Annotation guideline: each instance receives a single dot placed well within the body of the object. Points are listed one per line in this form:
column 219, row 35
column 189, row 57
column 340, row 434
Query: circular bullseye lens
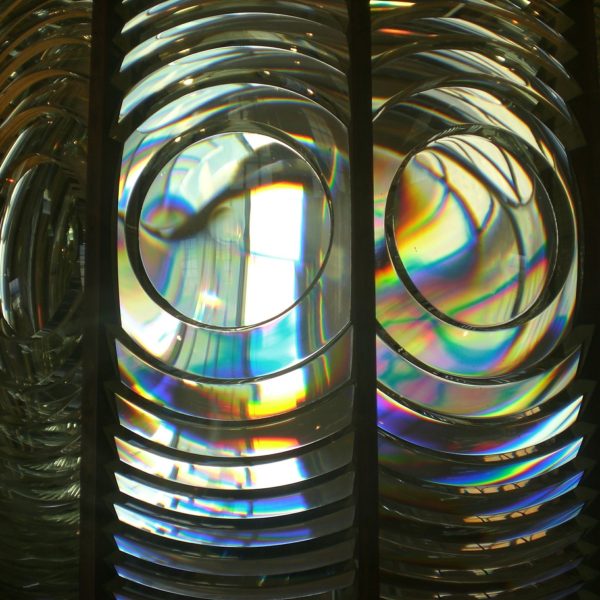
column 234, row 229
column 473, row 229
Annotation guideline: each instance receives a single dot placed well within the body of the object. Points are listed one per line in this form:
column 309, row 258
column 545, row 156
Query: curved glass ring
column 168, row 223
column 238, row 400
column 479, row 399
column 195, row 339
column 463, row 351
column 403, row 223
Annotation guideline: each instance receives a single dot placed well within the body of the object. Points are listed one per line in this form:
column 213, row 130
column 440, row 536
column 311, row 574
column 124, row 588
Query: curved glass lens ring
column 145, row 22
column 457, row 506
column 283, row 67
column 450, row 396
column 185, row 344
column 150, row 582
column 550, row 567
column 208, row 207
column 239, row 476
column 43, row 142
column 498, row 20
column 490, row 208
column 491, row 349
column 238, row 401
column 476, row 278
column 226, row 506
column 481, row 541
column 232, row 535
column 201, row 559
column 319, row 421
column 452, row 554
column 459, row 64
column 445, row 471
column 435, row 432
column 245, row 29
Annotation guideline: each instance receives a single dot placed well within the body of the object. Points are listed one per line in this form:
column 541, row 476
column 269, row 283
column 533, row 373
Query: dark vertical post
column 363, row 298
column 586, row 160
column 103, row 159
column 586, row 163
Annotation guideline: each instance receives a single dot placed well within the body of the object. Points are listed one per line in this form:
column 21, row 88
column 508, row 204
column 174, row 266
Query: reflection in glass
column 237, row 562
column 476, row 279
column 44, row 58
column 225, row 217
column 239, row 400
column 234, row 437
column 234, row 535
column 201, row 349
column 317, row 422
column 228, row 506
column 246, row 475
column 471, row 231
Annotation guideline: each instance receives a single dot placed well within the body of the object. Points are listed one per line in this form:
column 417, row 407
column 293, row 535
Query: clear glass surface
column 245, row 475
column 319, row 421
column 185, row 501
column 225, row 217
column 203, row 559
column 473, row 230
column 293, row 335
column 44, row 69
column 240, row 400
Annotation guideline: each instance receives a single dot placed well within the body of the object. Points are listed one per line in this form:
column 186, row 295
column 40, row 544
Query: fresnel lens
column 232, row 394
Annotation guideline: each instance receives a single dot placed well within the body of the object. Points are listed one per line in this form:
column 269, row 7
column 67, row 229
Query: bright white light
column 276, row 221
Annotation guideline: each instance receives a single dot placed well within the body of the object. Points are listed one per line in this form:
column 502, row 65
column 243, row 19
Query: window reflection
column 227, row 217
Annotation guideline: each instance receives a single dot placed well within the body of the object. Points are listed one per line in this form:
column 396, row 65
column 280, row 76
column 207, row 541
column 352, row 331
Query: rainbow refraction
column 233, row 390
column 477, row 267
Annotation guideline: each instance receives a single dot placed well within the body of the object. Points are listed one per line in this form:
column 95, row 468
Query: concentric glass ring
column 44, row 90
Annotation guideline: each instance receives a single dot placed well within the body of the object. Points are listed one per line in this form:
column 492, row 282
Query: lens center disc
column 234, row 229
column 473, row 230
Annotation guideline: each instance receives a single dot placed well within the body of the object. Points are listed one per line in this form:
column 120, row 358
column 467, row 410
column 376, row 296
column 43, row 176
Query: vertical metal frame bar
column 363, row 298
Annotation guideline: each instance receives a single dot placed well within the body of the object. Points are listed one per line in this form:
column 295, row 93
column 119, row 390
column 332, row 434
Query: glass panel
column 230, row 534
column 225, row 216
column 237, row 476
column 302, row 586
column 203, row 560
column 234, row 348
column 44, row 68
column 438, row 432
column 242, row 400
column 476, row 279
column 235, row 352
